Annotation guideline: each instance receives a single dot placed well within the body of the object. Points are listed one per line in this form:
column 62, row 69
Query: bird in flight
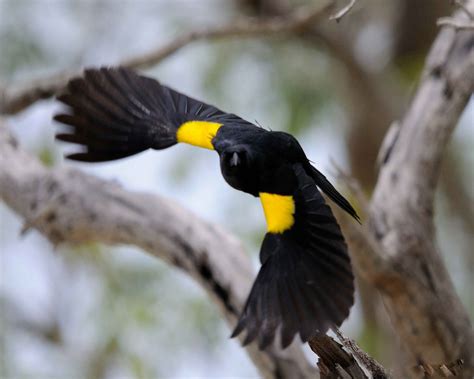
column 305, row 284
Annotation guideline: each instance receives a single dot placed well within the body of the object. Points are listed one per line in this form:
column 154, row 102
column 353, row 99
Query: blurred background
column 102, row 312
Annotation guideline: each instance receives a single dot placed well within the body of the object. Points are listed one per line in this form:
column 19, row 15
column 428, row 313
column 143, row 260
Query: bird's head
column 235, row 158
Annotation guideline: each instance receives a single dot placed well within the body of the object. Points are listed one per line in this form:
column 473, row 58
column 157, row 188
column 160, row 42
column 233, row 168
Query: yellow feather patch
column 279, row 211
column 198, row 133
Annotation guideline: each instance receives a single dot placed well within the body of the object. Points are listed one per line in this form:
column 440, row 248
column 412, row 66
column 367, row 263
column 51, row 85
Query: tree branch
column 396, row 249
column 66, row 205
column 17, row 98
column 345, row 359
column 415, row 285
column 339, row 15
column 459, row 25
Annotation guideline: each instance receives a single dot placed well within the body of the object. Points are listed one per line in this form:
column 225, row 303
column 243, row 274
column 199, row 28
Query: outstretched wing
column 114, row 113
column 305, row 284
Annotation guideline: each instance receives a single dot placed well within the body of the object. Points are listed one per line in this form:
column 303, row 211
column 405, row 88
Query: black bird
column 305, row 284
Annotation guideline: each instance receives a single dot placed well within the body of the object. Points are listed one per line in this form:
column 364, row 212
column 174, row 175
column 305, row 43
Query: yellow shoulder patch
column 279, row 211
column 198, row 133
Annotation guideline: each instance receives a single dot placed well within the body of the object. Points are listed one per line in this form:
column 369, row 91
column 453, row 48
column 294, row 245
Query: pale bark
column 403, row 260
column 345, row 359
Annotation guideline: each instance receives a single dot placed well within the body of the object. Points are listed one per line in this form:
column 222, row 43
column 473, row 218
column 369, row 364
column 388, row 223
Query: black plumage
column 305, row 284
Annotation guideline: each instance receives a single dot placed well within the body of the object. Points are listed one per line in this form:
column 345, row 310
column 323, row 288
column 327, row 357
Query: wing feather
column 113, row 113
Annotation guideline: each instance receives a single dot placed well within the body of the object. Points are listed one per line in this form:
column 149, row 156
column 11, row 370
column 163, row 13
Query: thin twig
column 17, row 98
column 298, row 21
column 339, row 15
column 456, row 24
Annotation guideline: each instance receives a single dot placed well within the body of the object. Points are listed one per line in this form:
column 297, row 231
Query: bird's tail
column 115, row 113
column 326, row 186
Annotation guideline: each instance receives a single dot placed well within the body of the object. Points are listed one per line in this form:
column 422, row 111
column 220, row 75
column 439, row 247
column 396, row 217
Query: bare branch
column 362, row 357
column 68, row 206
column 17, row 98
column 339, row 15
column 401, row 211
column 396, row 249
column 456, row 24
column 345, row 359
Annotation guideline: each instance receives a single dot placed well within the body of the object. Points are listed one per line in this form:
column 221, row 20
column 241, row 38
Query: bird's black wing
column 305, row 284
column 114, row 113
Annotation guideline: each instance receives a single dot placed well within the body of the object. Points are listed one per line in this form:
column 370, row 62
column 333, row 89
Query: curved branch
column 425, row 310
column 67, row 205
column 396, row 250
column 17, row 98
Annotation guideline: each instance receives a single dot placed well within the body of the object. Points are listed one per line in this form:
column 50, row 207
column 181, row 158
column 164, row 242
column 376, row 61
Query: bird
column 305, row 284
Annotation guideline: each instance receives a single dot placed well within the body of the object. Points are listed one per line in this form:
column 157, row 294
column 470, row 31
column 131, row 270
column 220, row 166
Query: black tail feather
column 326, row 186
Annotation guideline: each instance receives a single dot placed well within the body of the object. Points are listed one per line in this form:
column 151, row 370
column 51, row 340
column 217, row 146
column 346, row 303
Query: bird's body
column 305, row 284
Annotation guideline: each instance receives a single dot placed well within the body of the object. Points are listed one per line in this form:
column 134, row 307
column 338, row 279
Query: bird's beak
column 234, row 160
